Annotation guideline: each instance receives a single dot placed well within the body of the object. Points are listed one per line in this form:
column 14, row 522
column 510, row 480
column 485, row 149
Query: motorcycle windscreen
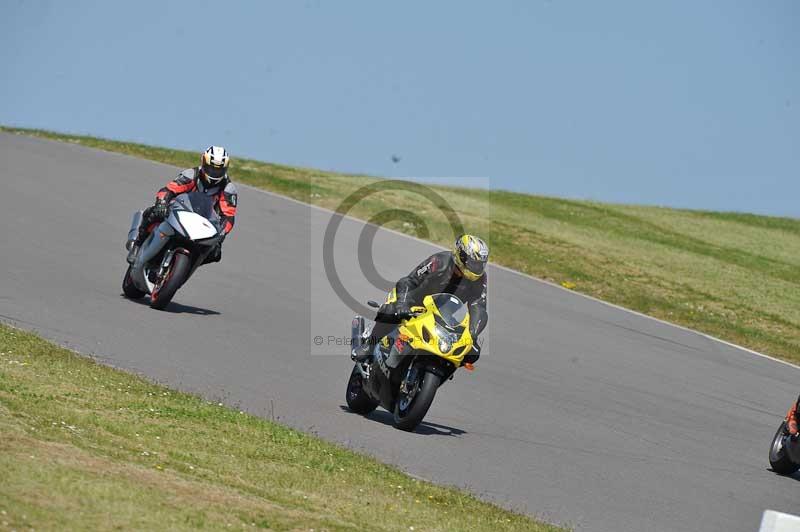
column 195, row 226
column 197, row 203
column 451, row 308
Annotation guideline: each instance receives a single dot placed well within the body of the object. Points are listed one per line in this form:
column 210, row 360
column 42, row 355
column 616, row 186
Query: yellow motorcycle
column 407, row 366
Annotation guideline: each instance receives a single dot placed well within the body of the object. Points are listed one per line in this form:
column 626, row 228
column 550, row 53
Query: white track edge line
column 532, row 278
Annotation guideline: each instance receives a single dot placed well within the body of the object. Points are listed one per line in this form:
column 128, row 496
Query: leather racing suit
column 436, row 274
column 225, row 198
column 791, row 419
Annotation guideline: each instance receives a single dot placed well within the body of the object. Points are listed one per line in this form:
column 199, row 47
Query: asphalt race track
column 580, row 413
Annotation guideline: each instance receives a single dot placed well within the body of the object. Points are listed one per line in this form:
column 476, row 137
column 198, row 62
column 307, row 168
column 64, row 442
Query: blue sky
column 689, row 104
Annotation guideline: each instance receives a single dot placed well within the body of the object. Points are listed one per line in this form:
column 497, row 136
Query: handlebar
column 412, row 313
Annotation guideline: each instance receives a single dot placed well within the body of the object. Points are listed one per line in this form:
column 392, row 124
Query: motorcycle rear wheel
column 778, row 457
column 357, row 399
column 129, row 289
column 173, row 279
column 409, row 418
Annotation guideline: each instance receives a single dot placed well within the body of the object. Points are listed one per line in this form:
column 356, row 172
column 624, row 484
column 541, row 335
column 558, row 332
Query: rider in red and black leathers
column 225, row 199
column 791, row 419
column 439, row 273
column 225, row 194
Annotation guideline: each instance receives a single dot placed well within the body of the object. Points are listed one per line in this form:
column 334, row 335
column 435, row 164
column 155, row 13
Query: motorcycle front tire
column 173, row 279
column 409, row 419
column 778, row 457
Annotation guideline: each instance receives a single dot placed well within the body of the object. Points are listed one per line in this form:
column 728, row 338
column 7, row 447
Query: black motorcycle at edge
column 784, row 452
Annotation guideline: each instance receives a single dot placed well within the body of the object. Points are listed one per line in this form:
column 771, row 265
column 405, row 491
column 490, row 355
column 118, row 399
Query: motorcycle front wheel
column 408, row 413
column 778, row 457
column 173, row 279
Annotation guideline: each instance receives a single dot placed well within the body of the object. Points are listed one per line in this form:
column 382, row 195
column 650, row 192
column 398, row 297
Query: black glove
column 473, row 355
column 215, row 255
column 403, row 310
column 160, row 208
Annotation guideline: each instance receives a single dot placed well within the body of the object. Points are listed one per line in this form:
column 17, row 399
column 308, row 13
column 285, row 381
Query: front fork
column 410, row 383
column 166, row 262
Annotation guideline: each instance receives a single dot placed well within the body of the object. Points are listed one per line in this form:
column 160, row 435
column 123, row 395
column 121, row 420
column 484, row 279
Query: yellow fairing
column 420, row 328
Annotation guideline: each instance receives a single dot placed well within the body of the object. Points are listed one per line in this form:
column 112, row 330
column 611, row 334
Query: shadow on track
column 426, row 428
column 176, row 308
column 793, row 476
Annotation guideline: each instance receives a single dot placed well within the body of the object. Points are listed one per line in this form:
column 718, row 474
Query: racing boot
column 136, row 244
column 362, row 352
column 133, row 252
column 379, row 330
column 149, row 215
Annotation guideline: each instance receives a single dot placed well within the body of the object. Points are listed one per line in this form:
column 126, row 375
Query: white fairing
column 195, row 226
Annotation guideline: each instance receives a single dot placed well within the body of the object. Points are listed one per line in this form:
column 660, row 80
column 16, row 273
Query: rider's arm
column 183, row 183
column 478, row 316
column 414, row 279
column 228, row 201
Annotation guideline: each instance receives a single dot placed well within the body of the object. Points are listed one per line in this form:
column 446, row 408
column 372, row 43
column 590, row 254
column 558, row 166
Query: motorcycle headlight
column 446, row 339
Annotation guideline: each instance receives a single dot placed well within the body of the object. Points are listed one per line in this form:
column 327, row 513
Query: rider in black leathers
column 460, row 272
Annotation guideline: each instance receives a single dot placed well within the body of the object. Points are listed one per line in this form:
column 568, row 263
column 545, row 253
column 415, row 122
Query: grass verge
column 87, row 447
column 732, row 275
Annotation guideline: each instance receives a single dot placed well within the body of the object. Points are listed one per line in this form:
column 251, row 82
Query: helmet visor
column 214, row 173
column 472, row 265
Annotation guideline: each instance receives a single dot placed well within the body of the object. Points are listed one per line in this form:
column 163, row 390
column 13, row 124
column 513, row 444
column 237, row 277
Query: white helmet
column 214, row 165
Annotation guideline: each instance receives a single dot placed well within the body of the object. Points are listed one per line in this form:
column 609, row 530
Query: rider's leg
column 148, row 219
column 152, row 247
column 385, row 321
column 144, row 223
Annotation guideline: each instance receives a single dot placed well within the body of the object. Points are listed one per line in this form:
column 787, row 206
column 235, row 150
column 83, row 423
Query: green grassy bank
column 87, row 447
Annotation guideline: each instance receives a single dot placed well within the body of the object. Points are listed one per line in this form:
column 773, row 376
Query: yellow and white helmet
column 470, row 254
column 214, row 164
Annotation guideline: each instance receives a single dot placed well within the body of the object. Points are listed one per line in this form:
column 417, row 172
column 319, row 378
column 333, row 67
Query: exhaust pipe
column 357, row 332
column 134, row 230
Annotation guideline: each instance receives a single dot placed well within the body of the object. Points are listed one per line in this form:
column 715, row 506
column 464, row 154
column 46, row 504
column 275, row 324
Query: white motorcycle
column 173, row 250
